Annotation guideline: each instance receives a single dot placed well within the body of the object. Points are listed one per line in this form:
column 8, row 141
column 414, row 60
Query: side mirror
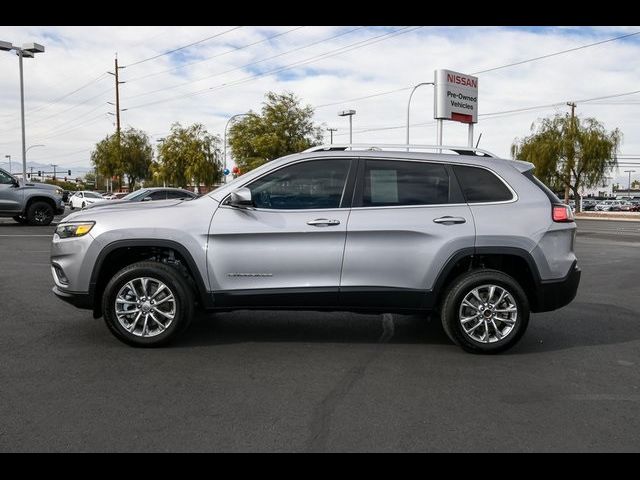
column 146, row 199
column 240, row 198
column 15, row 182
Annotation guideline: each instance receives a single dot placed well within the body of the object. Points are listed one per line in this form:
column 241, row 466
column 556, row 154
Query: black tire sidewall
column 170, row 277
column 460, row 288
column 31, row 213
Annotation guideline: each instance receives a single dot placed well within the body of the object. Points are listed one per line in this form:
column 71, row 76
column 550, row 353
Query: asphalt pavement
column 306, row 381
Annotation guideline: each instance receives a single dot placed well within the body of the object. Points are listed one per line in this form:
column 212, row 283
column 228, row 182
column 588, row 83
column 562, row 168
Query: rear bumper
column 77, row 299
column 556, row 294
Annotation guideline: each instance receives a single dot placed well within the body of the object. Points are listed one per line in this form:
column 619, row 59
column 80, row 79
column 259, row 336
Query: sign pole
column 470, row 141
column 439, row 132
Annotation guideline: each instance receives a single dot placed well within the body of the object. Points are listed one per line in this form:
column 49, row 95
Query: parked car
column 589, row 205
column 151, row 194
column 84, row 199
column 32, row 203
column 608, row 206
column 478, row 240
column 626, row 207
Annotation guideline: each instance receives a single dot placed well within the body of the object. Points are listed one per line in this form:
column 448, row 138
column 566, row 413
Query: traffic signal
column 65, row 179
column 28, row 175
column 68, row 173
column 39, row 173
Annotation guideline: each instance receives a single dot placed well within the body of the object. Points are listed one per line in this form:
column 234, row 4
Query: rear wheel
column 485, row 311
column 148, row 304
column 40, row 214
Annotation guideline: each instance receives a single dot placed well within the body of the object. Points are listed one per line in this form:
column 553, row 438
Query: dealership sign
column 456, row 96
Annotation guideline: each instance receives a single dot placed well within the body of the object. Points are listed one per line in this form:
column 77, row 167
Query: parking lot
column 300, row 381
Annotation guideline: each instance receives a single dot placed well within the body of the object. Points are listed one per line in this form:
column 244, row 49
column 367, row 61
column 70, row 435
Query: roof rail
column 460, row 150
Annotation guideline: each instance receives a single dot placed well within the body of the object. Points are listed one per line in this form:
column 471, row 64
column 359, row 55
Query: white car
column 84, row 199
column 609, row 205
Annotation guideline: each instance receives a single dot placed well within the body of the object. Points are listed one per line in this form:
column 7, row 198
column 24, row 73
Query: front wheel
column 40, row 214
column 485, row 311
column 148, row 304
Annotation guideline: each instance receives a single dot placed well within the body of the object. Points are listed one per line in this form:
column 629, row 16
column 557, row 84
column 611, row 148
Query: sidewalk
column 619, row 216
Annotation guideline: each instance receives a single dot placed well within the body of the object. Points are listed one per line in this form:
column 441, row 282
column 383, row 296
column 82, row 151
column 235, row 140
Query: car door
column 408, row 219
column 10, row 195
column 287, row 249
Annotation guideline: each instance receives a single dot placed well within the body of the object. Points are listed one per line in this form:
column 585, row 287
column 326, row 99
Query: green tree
column 136, row 156
column 568, row 152
column 189, row 154
column 283, row 127
column 105, row 157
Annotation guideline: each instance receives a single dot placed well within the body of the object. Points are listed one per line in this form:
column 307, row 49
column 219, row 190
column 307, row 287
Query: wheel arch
column 516, row 262
column 119, row 253
column 38, row 198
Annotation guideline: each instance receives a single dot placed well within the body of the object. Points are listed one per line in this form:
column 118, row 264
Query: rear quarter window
column 479, row 185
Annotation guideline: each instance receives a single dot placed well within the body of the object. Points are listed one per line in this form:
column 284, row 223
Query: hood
column 41, row 186
column 127, row 209
column 117, row 205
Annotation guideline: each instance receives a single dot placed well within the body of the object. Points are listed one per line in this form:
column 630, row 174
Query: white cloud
column 76, row 55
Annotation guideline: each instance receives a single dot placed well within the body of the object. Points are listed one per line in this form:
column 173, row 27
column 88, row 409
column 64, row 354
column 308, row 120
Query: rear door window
column 400, row 183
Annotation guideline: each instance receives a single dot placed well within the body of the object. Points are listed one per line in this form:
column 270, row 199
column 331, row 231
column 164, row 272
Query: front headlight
column 68, row 230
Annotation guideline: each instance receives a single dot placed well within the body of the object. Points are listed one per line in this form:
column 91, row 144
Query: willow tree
column 569, row 152
column 282, row 127
column 190, row 154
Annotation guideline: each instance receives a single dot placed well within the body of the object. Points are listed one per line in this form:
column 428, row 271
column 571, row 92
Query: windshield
column 92, row 195
column 136, row 194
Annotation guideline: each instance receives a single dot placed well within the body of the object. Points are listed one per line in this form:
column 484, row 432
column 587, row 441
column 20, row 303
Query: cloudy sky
column 224, row 70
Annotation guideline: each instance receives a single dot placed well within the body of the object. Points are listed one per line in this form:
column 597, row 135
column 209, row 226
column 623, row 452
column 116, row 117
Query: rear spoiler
column 522, row 166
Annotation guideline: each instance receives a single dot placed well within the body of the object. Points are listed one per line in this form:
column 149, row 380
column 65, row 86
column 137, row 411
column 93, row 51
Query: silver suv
column 32, row 203
column 467, row 236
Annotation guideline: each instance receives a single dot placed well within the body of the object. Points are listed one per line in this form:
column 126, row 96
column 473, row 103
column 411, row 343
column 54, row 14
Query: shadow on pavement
column 578, row 325
column 288, row 326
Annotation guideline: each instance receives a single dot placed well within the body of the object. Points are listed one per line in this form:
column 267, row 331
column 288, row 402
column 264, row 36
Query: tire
column 174, row 282
column 71, row 207
column 20, row 219
column 482, row 336
column 40, row 214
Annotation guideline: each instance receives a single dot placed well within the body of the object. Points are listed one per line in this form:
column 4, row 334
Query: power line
column 556, row 53
column 215, row 56
column 182, row 48
column 496, row 68
column 499, row 114
column 302, row 47
column 323, row 56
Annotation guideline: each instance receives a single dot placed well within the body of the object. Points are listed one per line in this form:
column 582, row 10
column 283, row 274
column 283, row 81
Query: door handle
column 323, row 222
column 447, row 220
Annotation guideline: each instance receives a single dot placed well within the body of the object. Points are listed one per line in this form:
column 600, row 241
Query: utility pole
column 54, row 170
column 117, row 105
column 331, row 130
column 571, row 152
column 629, row 187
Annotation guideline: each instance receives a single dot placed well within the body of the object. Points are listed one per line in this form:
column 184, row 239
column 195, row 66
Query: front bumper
column 77, row 299
column 555, row 294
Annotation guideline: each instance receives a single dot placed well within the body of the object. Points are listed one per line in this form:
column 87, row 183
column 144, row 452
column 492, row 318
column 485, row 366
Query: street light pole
column 24, row 155
column 9, row 157
column 409, row 106
column 28, row 50
column 24, row 140
column 350, row 114
column 225, row 139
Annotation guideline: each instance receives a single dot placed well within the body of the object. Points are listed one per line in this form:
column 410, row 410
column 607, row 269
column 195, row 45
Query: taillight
column 562, row 213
